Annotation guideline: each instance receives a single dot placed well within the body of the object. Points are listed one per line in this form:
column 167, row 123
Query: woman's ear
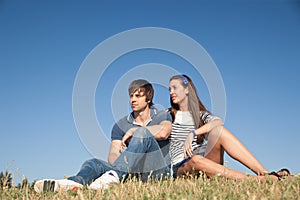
column 186, row 91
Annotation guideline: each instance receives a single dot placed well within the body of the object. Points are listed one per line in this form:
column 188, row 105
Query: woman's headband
column 184, row 79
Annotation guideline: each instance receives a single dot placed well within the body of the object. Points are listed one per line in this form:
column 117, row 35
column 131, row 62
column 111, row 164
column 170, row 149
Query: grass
column 201, row 188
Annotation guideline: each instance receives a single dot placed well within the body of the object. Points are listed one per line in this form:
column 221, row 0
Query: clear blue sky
column 255, row 45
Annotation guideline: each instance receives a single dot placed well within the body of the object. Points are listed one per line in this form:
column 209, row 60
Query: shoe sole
column 45, row 186
column 53, row 186
column 48, row 186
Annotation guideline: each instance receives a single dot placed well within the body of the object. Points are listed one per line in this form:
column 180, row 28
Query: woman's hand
column 187, row 146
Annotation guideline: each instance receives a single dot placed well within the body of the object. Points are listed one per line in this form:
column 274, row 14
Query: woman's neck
column 184, row 109
column 183, row 106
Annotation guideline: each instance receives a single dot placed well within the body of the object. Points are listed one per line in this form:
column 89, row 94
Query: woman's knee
column 193, row 165
column 216, row 132
column 196, row 160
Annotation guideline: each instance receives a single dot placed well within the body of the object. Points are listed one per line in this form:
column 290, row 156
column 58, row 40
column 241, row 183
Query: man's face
column 138, row 101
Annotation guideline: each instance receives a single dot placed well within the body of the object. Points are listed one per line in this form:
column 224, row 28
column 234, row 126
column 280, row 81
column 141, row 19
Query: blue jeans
column 143, row 158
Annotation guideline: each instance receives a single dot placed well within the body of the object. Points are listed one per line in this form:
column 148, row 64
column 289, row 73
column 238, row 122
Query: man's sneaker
column 103, row 181
column 52, row 185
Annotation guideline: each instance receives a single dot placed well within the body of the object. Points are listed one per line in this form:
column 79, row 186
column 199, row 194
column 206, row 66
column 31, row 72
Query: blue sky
column 254, row 44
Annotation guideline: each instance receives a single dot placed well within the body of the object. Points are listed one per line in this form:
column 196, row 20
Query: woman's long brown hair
column 194, row 103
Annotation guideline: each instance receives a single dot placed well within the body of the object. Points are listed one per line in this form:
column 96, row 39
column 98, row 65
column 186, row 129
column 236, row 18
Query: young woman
column 198, row 138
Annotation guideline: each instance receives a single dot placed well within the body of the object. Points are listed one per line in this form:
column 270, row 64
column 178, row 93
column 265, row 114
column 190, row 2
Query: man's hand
column 128, row 135
column 114, row 151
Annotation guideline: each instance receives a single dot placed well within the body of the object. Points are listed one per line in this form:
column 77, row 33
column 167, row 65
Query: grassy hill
column 191, row 188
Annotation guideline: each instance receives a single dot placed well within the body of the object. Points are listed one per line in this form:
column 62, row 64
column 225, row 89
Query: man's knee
column 142, row 132
column 91, row 162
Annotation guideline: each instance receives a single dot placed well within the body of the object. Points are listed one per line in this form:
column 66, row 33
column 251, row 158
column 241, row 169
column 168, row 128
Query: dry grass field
column 191, row 188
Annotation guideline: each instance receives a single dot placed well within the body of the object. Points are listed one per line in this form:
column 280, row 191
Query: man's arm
column 161, row 131
column 114, row 151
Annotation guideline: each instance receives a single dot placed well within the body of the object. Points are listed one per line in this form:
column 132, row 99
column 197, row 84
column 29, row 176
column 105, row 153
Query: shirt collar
column 153, row 112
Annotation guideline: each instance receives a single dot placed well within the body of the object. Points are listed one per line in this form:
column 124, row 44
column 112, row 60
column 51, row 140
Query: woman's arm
column 206, row 128
column 209, row 126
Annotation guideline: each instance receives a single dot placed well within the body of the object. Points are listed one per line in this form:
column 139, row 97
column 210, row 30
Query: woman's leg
column 221, row 139
column 210, row 168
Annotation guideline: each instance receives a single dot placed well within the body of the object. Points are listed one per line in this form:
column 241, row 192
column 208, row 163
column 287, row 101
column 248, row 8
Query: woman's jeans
column 143, row 158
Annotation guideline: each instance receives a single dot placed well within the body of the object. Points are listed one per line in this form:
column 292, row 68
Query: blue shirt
column 127, row 122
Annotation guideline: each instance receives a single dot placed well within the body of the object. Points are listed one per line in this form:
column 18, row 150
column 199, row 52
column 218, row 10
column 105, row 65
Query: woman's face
column 178, row 93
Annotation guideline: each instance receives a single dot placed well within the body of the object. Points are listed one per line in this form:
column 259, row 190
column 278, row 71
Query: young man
column 139, row 146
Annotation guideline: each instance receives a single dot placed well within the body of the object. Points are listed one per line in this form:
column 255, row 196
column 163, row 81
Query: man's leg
column 90, row 170
column 143, row 155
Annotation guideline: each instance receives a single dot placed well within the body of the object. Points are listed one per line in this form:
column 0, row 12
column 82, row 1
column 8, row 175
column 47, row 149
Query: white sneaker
column 56, row 185
column 103, row 181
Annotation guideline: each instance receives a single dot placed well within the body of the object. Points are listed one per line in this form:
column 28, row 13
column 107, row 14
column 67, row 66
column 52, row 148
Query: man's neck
column 142, row 117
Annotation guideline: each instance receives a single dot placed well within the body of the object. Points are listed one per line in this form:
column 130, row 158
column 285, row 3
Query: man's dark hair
column 142, row 86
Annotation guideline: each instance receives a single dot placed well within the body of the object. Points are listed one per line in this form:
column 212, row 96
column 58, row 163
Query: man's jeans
column 142, row 158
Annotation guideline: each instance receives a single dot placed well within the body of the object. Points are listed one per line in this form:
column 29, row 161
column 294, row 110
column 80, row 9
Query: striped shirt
column 181, row 127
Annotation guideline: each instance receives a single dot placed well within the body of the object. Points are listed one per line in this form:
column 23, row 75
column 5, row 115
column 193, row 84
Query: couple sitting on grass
column 155, row 145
